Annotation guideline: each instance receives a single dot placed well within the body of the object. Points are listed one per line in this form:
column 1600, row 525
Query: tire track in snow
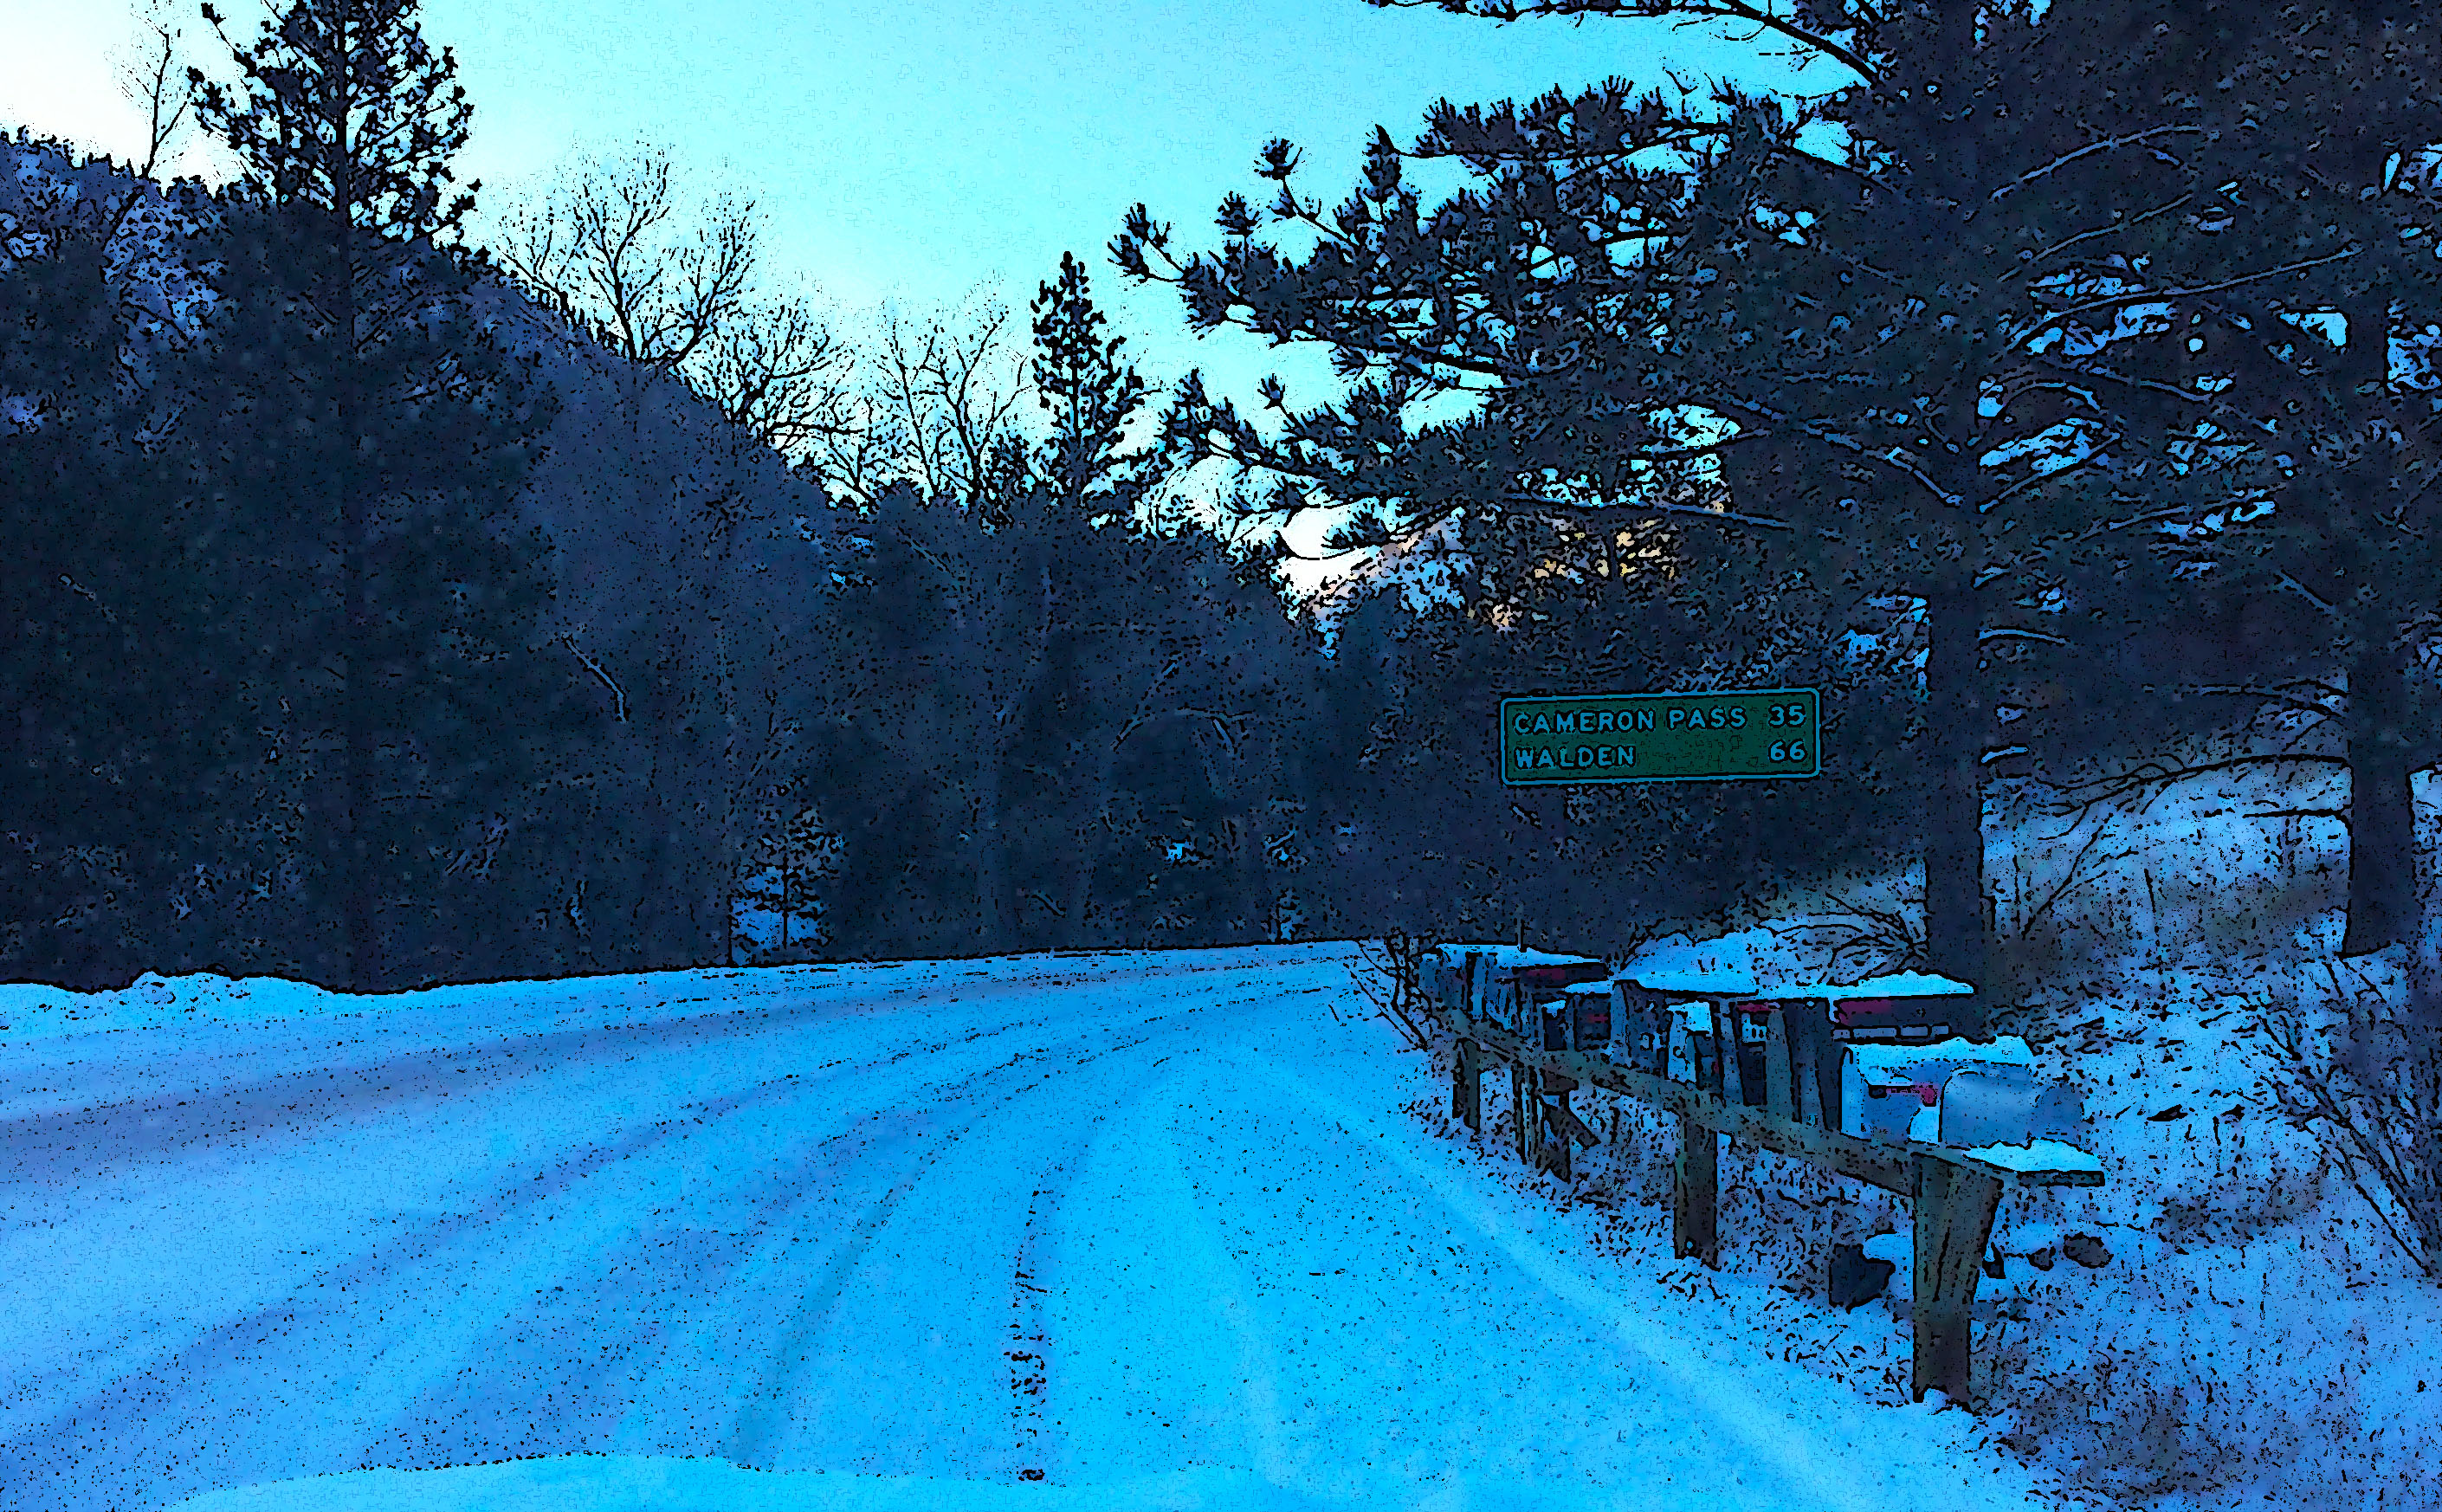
column 1206, row 1256
column 1029, row 1330
column 760, row 1424
column 162, row 1115
column 1031, row 1346
column 511, row 1199
column 775, row 1251
column 157, row 1389
column 154, row 1390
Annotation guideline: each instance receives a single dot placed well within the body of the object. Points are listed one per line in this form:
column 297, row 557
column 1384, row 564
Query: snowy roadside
column 819, row 1243
column 33, row 1010
column 2253, row 1334
column 2250, row 1336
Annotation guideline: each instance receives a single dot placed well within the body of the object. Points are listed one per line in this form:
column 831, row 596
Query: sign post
column 1757, row 733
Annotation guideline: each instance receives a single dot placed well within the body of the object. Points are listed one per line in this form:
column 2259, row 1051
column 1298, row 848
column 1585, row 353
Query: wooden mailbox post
column 1952, row 1196
column 1508, row 985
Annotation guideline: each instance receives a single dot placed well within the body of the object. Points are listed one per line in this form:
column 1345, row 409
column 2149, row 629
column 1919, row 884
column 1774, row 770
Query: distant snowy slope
column 1424, row 566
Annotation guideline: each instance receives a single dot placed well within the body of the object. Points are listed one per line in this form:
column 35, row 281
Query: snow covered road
column 940, row 1232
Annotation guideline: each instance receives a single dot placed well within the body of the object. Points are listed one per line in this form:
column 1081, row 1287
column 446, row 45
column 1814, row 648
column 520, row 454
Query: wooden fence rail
column 1952, row 1196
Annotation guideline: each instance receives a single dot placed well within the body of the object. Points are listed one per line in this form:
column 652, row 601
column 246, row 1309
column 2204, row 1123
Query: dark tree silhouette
column 407, row 436
column 1898, row 355
column 99, row 663
column 2324, row 156
column 1090, row 394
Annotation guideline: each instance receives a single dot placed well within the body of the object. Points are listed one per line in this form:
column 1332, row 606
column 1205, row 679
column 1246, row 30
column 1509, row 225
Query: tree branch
column 617, row 693
column 1721, row 515
column 2269, row 695
column 2046, row 255
column 2164, row 296
column 2109, row 145
column 1682, row 10
column 2154, row 774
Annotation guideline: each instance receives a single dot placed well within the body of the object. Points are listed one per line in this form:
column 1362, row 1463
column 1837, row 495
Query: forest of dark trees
column 387, row 610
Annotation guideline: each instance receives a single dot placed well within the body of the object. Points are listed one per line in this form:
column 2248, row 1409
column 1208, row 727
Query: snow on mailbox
column 1513, row 983
column 1895, row 1091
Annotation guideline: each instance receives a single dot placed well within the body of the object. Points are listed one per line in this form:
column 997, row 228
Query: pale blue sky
column 914, row 151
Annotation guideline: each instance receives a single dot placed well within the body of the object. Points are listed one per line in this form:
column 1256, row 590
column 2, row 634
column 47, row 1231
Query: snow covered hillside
column 2256, row 1337
column 1111, row 1231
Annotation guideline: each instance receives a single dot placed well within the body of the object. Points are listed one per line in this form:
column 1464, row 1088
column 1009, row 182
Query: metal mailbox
column 1987, row 1105
column 1588, row 1014
column 1744, row 1029
column 1889, row 1086
column 1644, row 1042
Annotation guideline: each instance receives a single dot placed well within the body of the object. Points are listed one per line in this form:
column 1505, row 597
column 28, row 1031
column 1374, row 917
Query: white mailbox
column 1883, row 1087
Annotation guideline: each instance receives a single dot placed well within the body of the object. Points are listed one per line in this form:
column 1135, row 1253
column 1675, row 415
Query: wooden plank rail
column 1952, row 1196
column 1883, row 1163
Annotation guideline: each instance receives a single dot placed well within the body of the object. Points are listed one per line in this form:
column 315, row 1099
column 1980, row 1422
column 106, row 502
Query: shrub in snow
column 2373, row 1094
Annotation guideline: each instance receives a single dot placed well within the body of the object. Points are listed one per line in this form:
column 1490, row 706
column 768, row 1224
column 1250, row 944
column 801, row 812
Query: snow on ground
column 1178, row 1230
column 1156, row 1228
column 2254, row 1338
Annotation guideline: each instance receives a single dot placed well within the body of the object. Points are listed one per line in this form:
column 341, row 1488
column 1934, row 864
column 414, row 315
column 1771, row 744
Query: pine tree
column 92, row 773
column 405, row 433
column 1091, row 396
column 1889, row 353
column 2323, row 160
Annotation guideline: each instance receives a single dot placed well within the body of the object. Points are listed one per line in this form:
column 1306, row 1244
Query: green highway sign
column 1661, row 738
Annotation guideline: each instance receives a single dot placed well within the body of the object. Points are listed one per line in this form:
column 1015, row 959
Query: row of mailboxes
column 1788, row 1053
column 1574, row 1004
column 1520, row 990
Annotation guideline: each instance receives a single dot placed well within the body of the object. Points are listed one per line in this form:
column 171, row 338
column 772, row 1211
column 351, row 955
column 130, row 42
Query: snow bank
column 34, row 1011
column 37, row 1010
column 622, row 1482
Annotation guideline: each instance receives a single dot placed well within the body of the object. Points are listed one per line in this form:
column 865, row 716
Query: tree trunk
column 647, row 944
column 714, row 911
column 357, row 902
column 1954, row 841
column 1954, row 683
column 1081, row 859
column 732, row 847
column 991, row 866
column 2382, row 814
column 1081, row 895
column 1254, row 898
column 997, row 908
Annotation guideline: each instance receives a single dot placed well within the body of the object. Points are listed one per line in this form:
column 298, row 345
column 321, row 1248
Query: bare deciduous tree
column 151, row 80
column 2374, row 1096
column 602, row 251
column 937, row 406
column 778, row 373
column 607, row 254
